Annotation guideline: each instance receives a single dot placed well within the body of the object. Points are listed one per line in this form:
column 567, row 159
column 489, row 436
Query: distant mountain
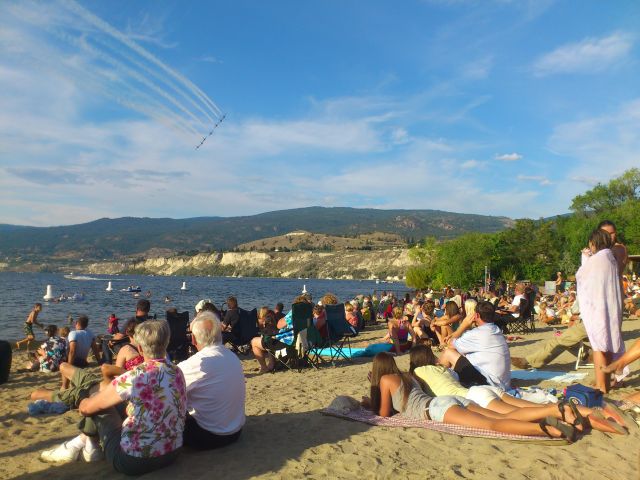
column 128, row 236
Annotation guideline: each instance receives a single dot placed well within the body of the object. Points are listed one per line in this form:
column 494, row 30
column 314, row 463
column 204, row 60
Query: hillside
column 116, row 238
column 301, row 240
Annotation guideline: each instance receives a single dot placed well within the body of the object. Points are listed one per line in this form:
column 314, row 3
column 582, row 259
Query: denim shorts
column 439, row 406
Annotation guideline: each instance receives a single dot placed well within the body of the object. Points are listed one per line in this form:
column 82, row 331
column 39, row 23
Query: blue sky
column 493, row 107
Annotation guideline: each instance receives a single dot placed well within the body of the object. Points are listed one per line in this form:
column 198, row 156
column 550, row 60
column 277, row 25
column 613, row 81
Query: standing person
column 559, row 282
column 31, row 320
column 600, row 300
column 618, row 248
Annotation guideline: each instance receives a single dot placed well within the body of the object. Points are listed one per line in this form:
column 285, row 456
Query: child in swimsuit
column 28, row 326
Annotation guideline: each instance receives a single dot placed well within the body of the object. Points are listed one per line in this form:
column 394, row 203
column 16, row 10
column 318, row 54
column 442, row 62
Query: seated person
column 128, row 356
column 508, row 313
column 421, row 324
column 279, row 338
column 50, row 354
column 215, row 387
column 480, row 356
column 320, row 320
column 231, row 319
column 112, row 326
column 351, row 316
column 444, row 326
column 399, row 329
column 81, row 341
column 439, row 381
column 150, row 435
column 394, row 391
column 546, row 314
column 114, row 343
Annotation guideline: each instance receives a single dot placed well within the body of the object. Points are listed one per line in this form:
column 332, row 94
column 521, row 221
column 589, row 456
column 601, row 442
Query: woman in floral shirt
column 155, row 397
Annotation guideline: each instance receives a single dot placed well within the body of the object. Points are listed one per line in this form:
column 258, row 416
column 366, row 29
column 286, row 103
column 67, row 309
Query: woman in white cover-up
column 601, row 303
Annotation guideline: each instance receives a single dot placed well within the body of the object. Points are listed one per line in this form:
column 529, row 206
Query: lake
column 19, row 291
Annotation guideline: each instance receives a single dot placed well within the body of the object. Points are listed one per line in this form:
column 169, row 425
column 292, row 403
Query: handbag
column 583, row 395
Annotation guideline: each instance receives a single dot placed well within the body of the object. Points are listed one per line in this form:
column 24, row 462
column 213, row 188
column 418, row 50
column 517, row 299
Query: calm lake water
column 19, row 291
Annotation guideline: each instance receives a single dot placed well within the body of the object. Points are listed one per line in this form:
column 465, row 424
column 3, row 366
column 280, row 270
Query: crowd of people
column 143, row 406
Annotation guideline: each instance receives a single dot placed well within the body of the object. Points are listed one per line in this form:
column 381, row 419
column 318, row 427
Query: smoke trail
column 108, row 29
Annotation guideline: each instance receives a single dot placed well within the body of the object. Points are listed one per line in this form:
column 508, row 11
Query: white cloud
column 399, row 136
column 472, row 164
column 509, row 157
column 590, row 55
column 539, row 179
column 209, row 59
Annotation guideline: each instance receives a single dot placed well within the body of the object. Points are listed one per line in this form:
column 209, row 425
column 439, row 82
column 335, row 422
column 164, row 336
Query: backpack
column 583, row 395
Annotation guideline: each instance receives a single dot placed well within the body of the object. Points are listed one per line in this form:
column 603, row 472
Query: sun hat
column 200, row 304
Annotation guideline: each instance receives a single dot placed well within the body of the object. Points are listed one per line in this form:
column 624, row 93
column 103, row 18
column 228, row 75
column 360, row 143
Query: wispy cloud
column 478, row 69
column 209, row 59
column 509, row 157
column 539, row 179
column 591, row 55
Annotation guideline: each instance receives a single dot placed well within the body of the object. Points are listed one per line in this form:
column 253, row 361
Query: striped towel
column 366, row 416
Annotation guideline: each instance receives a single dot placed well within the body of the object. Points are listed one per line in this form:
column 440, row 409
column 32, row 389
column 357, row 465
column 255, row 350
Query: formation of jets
column 211, row 132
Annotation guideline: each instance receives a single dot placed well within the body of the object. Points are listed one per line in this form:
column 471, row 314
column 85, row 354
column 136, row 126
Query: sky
column 490, row 107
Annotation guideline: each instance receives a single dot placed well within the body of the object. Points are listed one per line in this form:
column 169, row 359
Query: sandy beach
column 287, row 437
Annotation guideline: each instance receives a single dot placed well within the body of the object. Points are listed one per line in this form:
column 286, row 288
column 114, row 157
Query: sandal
column 580, row 421
column 597, row 418
column 567, row 431
column 611, row 410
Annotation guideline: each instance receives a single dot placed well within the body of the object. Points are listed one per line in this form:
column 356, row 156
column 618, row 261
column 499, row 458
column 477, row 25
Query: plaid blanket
column 366, row 416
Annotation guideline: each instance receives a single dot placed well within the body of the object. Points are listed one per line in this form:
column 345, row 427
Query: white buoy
column 184, row 286
column 49, row 295
column 109, row 287
column 304, row 289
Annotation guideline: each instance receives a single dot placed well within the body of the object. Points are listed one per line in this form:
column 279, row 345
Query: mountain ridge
column 107, row 238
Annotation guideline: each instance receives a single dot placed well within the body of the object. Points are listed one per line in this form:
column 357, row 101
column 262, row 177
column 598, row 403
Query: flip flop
column 580, row 420
column 567, row 431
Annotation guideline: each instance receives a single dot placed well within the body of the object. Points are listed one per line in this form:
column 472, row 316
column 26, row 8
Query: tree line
column 531, row 249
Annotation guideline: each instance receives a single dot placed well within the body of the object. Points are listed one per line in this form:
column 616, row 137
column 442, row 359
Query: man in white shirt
column 480, row 356
column 510, row 312
column 215, row 388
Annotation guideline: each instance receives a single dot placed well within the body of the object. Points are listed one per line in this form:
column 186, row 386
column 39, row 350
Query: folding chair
column 524, row 323
column 583, row 356
column 245, row 330
column 316, row 343
column 340, row 332
column 301, row 318
column 180, row 340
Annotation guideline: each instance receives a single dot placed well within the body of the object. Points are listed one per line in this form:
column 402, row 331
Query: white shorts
column 483, row 395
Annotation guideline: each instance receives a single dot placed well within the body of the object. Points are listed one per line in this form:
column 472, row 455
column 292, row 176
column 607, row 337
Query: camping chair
column 340, row 332
column 524, row 323
column 245, row 330
column 583, row 356
column 301, row 318
column 316, row 343
column 180, row 340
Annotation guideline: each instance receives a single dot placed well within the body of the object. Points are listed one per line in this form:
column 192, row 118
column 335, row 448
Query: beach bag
column 583, row 395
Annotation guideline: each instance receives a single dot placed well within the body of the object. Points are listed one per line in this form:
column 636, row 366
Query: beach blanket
column 560, row 377
column 370, row 351
column 366, row 416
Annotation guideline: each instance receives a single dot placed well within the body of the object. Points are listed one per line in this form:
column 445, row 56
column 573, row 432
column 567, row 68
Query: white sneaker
column 95, row 455
column 61, row 454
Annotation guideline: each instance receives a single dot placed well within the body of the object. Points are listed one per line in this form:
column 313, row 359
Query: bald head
column 206, row 329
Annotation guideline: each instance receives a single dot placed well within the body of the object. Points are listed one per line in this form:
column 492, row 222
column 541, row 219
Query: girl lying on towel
column 393, row 391
column 438, row 381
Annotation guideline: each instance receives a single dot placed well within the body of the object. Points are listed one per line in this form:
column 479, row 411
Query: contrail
column 120, row 69
column 108, row 29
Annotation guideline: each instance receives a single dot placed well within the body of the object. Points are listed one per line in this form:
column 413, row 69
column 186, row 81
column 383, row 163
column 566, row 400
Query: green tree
column 607, row 197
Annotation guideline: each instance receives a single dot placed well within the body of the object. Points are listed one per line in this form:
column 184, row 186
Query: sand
column 286, row 437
